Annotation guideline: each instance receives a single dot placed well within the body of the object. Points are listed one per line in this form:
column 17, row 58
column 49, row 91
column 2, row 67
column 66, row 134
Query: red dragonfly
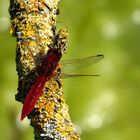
column 48, row 69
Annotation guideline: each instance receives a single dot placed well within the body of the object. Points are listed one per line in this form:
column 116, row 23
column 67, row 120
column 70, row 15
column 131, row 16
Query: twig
column 33, row 22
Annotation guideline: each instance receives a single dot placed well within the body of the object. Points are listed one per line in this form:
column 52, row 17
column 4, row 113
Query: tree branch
column 33, row 23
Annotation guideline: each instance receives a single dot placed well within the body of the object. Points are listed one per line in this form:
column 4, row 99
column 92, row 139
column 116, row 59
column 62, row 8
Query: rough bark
column 33, row 23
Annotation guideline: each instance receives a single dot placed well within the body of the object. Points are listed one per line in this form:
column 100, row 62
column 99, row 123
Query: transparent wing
column 77, row 75
column 71, row 66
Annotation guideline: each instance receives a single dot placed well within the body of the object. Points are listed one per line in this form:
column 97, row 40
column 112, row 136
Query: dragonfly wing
column 77, row 64
column 77, row 75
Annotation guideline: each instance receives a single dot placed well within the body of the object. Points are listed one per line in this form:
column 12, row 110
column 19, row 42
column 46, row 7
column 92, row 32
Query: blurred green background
column 102, row 108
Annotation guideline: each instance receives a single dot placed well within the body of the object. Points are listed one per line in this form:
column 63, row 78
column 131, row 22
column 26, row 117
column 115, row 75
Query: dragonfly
column 48, row 69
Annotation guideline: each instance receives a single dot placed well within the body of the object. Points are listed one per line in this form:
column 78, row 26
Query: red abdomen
column 33, row 95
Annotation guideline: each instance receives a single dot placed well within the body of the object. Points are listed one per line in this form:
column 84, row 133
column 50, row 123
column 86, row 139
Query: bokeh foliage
column 105, row 107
